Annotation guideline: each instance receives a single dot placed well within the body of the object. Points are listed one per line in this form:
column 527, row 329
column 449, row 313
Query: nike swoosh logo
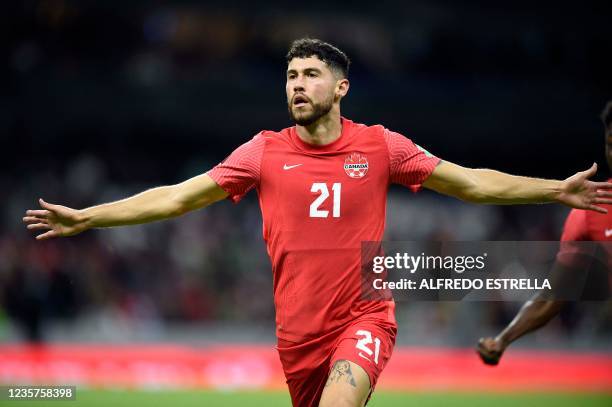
column 365, row 357
column 608, row 232
column 288, row 167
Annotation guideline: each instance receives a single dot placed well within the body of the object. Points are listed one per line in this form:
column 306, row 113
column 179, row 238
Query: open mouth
column 299, row 100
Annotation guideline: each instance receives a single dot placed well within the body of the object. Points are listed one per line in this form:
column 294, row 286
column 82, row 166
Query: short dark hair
column 335, row 59
column 606, row 115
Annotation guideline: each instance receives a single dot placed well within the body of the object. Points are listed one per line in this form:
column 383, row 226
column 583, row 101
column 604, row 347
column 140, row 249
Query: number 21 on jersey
column 321, row 188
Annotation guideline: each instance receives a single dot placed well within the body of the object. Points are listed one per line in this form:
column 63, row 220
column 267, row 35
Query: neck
column 324, row 131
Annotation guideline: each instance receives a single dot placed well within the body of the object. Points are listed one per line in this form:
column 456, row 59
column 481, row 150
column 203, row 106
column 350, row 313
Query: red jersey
column 583, row 225
column 318, row 204
column 588, row 225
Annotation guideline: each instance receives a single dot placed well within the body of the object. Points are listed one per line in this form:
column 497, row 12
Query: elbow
column 471, row 188
column 178, row 209
column 180, row 204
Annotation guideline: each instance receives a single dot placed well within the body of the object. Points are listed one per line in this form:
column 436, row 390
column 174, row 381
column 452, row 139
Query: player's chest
column 325, row 185
column 600, row 225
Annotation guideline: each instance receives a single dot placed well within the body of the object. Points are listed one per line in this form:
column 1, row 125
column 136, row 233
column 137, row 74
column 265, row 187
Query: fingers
column 486, row 357
column 491, row 360
column 603, row 185
column 597, row 209
column 39, row 215
column 487, row 351
column 46, row 205
column 37, row 226
column 483, row 344
column 45, row 212
column 38, row 212
column 47, row 235
column 34, row 219
column 606, row 201
column 591, row 171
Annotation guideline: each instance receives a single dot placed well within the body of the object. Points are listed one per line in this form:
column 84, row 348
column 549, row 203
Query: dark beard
column 318, row 110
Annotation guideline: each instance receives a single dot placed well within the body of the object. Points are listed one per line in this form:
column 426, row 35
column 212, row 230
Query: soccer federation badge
column 356, row 165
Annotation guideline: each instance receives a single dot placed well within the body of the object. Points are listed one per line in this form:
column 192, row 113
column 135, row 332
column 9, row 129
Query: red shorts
column 366, row 342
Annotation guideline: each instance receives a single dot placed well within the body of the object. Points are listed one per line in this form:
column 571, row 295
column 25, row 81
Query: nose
column 298, row 87
column 298, row 84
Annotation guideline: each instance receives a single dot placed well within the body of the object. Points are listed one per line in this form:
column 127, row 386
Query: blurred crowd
column 110, row 77
column 170, row 42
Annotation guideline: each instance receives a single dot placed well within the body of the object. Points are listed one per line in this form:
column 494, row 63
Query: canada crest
column 356, row 165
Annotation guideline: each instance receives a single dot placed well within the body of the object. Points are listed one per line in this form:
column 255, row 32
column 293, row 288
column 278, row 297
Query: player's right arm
column 148, row 206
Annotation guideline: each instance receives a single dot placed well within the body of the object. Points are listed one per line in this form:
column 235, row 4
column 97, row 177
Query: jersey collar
column 333, row 146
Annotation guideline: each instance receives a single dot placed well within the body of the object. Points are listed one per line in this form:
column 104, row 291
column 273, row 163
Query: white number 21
column 366, row 339
column 321, row 187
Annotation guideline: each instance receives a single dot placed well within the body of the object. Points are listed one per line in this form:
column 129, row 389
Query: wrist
column 503, row 341
column 85, row 218
column 556, row 190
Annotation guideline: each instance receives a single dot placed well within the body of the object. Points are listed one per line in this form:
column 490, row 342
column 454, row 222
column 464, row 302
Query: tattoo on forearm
column 341, row 373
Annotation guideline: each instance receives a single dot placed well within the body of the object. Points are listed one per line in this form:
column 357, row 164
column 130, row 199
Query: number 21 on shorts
column 364, row 345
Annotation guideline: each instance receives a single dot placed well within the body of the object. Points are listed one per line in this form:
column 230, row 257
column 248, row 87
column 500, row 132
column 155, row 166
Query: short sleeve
column 575, row 226
column 574, row 252
column 410, row 164
column 240, row 171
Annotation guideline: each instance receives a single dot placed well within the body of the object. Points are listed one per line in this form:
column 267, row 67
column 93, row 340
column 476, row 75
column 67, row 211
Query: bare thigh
column 348, row 385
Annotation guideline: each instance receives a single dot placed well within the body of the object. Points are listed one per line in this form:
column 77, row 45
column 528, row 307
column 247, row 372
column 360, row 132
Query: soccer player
column 580, row 225
column 322, row 187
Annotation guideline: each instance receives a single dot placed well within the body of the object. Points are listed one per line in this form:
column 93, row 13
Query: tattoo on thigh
column 341, row 373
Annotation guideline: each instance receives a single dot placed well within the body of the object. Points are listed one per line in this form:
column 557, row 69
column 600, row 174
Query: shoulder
column 576, row 216
column 575, row 225
column 380, row 132
column 368, row 134
column 374, row 130
column 587, row 225
column 267, row 136
column 260, row 140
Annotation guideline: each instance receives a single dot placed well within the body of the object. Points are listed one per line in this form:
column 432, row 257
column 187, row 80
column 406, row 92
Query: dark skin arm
column 534, row 314
column 568, row 274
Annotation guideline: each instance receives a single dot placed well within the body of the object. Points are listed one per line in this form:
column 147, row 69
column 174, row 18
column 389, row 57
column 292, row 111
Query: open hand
column 578, row 192
column 55, row 220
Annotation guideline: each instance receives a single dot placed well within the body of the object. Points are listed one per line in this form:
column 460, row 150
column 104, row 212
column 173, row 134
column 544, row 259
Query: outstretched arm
column 148, row 206
column 534, row 314
column 494, row 187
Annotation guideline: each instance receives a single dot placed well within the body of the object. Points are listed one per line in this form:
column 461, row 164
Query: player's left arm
column 534, row 314
column 494, row 187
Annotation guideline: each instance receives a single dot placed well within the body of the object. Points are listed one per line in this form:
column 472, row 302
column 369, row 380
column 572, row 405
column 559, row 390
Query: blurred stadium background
column 104, row 99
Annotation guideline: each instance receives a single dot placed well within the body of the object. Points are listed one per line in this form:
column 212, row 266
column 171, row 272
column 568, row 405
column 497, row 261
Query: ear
column 342, row 87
